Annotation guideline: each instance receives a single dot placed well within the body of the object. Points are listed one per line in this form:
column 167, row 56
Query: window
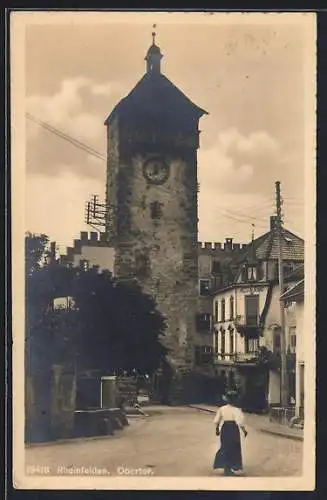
column 156, row 210
column 252, row 273
column 292, row 340
column 223, row 343
column 216, row 342
column 204, row 322
column 216, row 311
column 84, row 264
column 251, row 345
column 277, row 343
column 222, row 310
column 205, row 287
column 231, row 341
column 203, row 354
column 251, row 309
column 216, row 267
column 231, row 308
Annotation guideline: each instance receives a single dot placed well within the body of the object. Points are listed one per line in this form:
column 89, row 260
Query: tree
column 120, row 325
column 113, row 326
column 36, row 249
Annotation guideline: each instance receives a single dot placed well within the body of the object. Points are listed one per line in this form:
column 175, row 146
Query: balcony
column 246, row 357
column 237, row 358
column 248, row 324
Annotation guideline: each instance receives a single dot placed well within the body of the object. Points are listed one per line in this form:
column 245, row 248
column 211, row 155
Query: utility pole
column 283, row 369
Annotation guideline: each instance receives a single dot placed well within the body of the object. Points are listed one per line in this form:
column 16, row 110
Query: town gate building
column 153, row 137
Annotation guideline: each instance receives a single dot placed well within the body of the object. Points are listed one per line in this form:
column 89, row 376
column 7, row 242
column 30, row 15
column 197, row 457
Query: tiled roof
column 155, row 94
column 266, row 246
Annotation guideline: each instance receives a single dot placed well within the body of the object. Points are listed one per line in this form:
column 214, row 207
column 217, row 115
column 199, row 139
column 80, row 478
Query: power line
column 234, row 216
column 66, row 137
column 243, row 216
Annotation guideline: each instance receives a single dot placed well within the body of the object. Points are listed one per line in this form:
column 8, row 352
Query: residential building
column 216, row 262
column 246, row 316
column 293, row 299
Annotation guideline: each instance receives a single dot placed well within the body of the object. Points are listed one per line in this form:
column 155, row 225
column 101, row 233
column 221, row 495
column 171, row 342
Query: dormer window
column 251, row 273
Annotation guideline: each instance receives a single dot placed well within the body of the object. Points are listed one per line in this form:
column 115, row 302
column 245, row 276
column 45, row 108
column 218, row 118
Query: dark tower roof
column 154, row 94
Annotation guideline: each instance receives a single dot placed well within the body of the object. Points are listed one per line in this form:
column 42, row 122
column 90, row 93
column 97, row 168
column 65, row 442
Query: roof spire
column 154, row 55
column 252, row 253
column 154, row 34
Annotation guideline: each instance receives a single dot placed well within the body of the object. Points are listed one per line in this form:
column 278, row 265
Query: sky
column 249, row 76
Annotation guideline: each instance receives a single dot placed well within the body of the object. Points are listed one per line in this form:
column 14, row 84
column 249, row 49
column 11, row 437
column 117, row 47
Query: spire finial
column 154, row 34
column 253, row 226
column 153, row 56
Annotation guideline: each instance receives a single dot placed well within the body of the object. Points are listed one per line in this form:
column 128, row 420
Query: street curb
column 282, row 434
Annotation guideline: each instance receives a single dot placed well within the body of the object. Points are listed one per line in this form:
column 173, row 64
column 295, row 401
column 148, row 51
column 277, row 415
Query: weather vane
column 154, row 34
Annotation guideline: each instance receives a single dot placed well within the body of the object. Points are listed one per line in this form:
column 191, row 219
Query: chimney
column 273, row 222
column 229, row 244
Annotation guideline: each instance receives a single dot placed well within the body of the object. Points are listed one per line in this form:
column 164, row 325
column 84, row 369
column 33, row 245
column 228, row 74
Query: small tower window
column 205, row 286
column 156, row 210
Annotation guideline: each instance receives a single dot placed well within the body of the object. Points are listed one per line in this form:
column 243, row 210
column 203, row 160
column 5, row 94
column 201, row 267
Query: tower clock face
column 156, row 171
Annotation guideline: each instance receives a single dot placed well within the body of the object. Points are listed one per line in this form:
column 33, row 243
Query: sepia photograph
column 163, row 246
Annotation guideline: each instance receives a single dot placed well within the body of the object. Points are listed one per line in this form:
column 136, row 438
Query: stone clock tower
column 153, row 138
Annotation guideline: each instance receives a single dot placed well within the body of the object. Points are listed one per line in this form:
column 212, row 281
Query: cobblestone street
column 171, row 442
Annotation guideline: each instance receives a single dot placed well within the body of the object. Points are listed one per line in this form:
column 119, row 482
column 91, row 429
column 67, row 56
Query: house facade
column 246, row 317
column 216, row 262
column 293, row 299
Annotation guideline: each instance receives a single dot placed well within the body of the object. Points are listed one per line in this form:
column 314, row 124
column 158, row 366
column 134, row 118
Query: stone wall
column 161, row 253
column 50, row 404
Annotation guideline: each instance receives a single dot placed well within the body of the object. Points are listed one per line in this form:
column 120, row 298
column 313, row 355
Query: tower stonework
column 153, row 138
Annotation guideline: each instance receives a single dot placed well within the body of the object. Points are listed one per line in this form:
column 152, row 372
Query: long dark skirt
column 229, row 456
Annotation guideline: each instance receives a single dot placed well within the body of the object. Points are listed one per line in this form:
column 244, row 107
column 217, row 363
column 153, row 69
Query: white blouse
column 228, row 412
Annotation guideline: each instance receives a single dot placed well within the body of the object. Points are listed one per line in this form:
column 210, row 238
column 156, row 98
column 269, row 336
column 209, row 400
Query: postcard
column 163, row 249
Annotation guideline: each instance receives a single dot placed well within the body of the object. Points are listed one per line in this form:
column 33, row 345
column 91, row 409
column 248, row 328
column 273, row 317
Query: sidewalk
column 261, row 423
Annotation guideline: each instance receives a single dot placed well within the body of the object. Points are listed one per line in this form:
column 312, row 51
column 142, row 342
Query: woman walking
column 229, row 420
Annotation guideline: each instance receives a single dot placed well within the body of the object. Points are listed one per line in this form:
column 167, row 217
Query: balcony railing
column 237, row 357
column 248, row 320
column 245, row 357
